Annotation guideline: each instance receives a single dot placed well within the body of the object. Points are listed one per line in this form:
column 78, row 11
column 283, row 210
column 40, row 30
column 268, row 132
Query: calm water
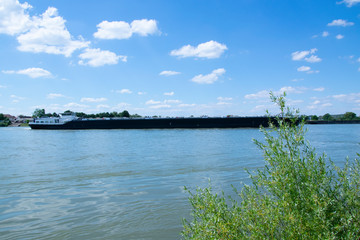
column 126, row 184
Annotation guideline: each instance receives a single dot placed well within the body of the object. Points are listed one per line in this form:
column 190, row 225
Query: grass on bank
column 297, row 195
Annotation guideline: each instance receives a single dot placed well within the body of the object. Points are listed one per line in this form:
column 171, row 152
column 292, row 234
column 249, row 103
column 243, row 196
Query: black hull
column 160, row 123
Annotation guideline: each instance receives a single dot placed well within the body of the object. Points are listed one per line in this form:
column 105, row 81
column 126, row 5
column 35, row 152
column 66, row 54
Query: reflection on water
column 126, row 184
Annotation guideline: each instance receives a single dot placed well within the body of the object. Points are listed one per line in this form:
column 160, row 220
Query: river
column 127, row 184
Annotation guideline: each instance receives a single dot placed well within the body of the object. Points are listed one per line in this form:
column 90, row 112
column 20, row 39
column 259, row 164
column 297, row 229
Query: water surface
column 126, row 184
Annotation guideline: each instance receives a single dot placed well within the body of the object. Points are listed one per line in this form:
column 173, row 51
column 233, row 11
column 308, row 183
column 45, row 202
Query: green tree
column 125, row 113
column 349, row 116
column 297, row 195
column 327, row 117
column 39, row 113
column 314, row 117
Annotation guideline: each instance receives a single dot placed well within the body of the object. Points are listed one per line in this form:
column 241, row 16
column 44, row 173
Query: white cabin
column 64, row 118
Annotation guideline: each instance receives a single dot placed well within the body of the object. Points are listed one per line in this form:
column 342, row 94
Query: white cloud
column 265, row 94
column 113, row 30
column 289, row 89
column 326, row 105
column 169, row 73
column 183, row 105
column 141, row 93
column 169, row 94
column 351, row 97
column 341, row 23
column 14, row 18
column 97, row 57
column 122, row 105
column 151, row 102
column 350, row 3
column 209, row 78
column 54, row 95
column 325, row 34
column 76, row 106
column 84, row 99
column 304, row 69
column 301, row 55
column 144, row 27
column 160, row 106
column 224, row 101
column 48, row 34
column 297, row 79
column 313, row 59
column 261, row 94
column 31, row 72
column 101, row 106
column 172, row 101
column 339, row 36
column 16, row 99
column 124, row 30
column 211, row 49
column 224, row 98
column 320, row 89
column 124, row 91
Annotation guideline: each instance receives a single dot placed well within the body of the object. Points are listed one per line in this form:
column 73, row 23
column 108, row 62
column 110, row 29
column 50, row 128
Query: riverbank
column 334, row 122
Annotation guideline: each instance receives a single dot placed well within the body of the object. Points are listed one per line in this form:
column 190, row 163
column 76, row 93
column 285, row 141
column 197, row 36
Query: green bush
column 297, row 195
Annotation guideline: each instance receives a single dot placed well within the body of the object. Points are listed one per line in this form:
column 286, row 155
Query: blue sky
column 179, row 58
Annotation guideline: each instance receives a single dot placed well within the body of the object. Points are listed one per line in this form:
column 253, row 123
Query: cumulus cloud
column 49, row 35
column 339, row 36
column 211, row 49
column 124, row 30
column 341, row 23
column 87, row 99
column 209, row 78
column 46, row 33
column 325, row 34
column 168, row 73
column 97, row 58
column 14, row 18
column 31, row 72
column 169, row 94
column 302, row 55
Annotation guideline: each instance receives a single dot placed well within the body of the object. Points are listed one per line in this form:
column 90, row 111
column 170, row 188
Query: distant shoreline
column 333, row 122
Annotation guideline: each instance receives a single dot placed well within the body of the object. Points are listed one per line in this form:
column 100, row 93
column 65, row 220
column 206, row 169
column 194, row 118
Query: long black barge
column 150, row 123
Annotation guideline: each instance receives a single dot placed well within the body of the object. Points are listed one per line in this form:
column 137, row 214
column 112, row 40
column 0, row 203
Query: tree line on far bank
column 348, row 116
column 4, row 121
column 41, row 113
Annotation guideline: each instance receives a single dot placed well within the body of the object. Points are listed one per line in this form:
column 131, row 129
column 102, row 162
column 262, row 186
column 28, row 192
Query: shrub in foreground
column 297, row 195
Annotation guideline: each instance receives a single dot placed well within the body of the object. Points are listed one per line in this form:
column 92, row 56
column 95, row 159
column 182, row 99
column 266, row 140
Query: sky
column 179, row 58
